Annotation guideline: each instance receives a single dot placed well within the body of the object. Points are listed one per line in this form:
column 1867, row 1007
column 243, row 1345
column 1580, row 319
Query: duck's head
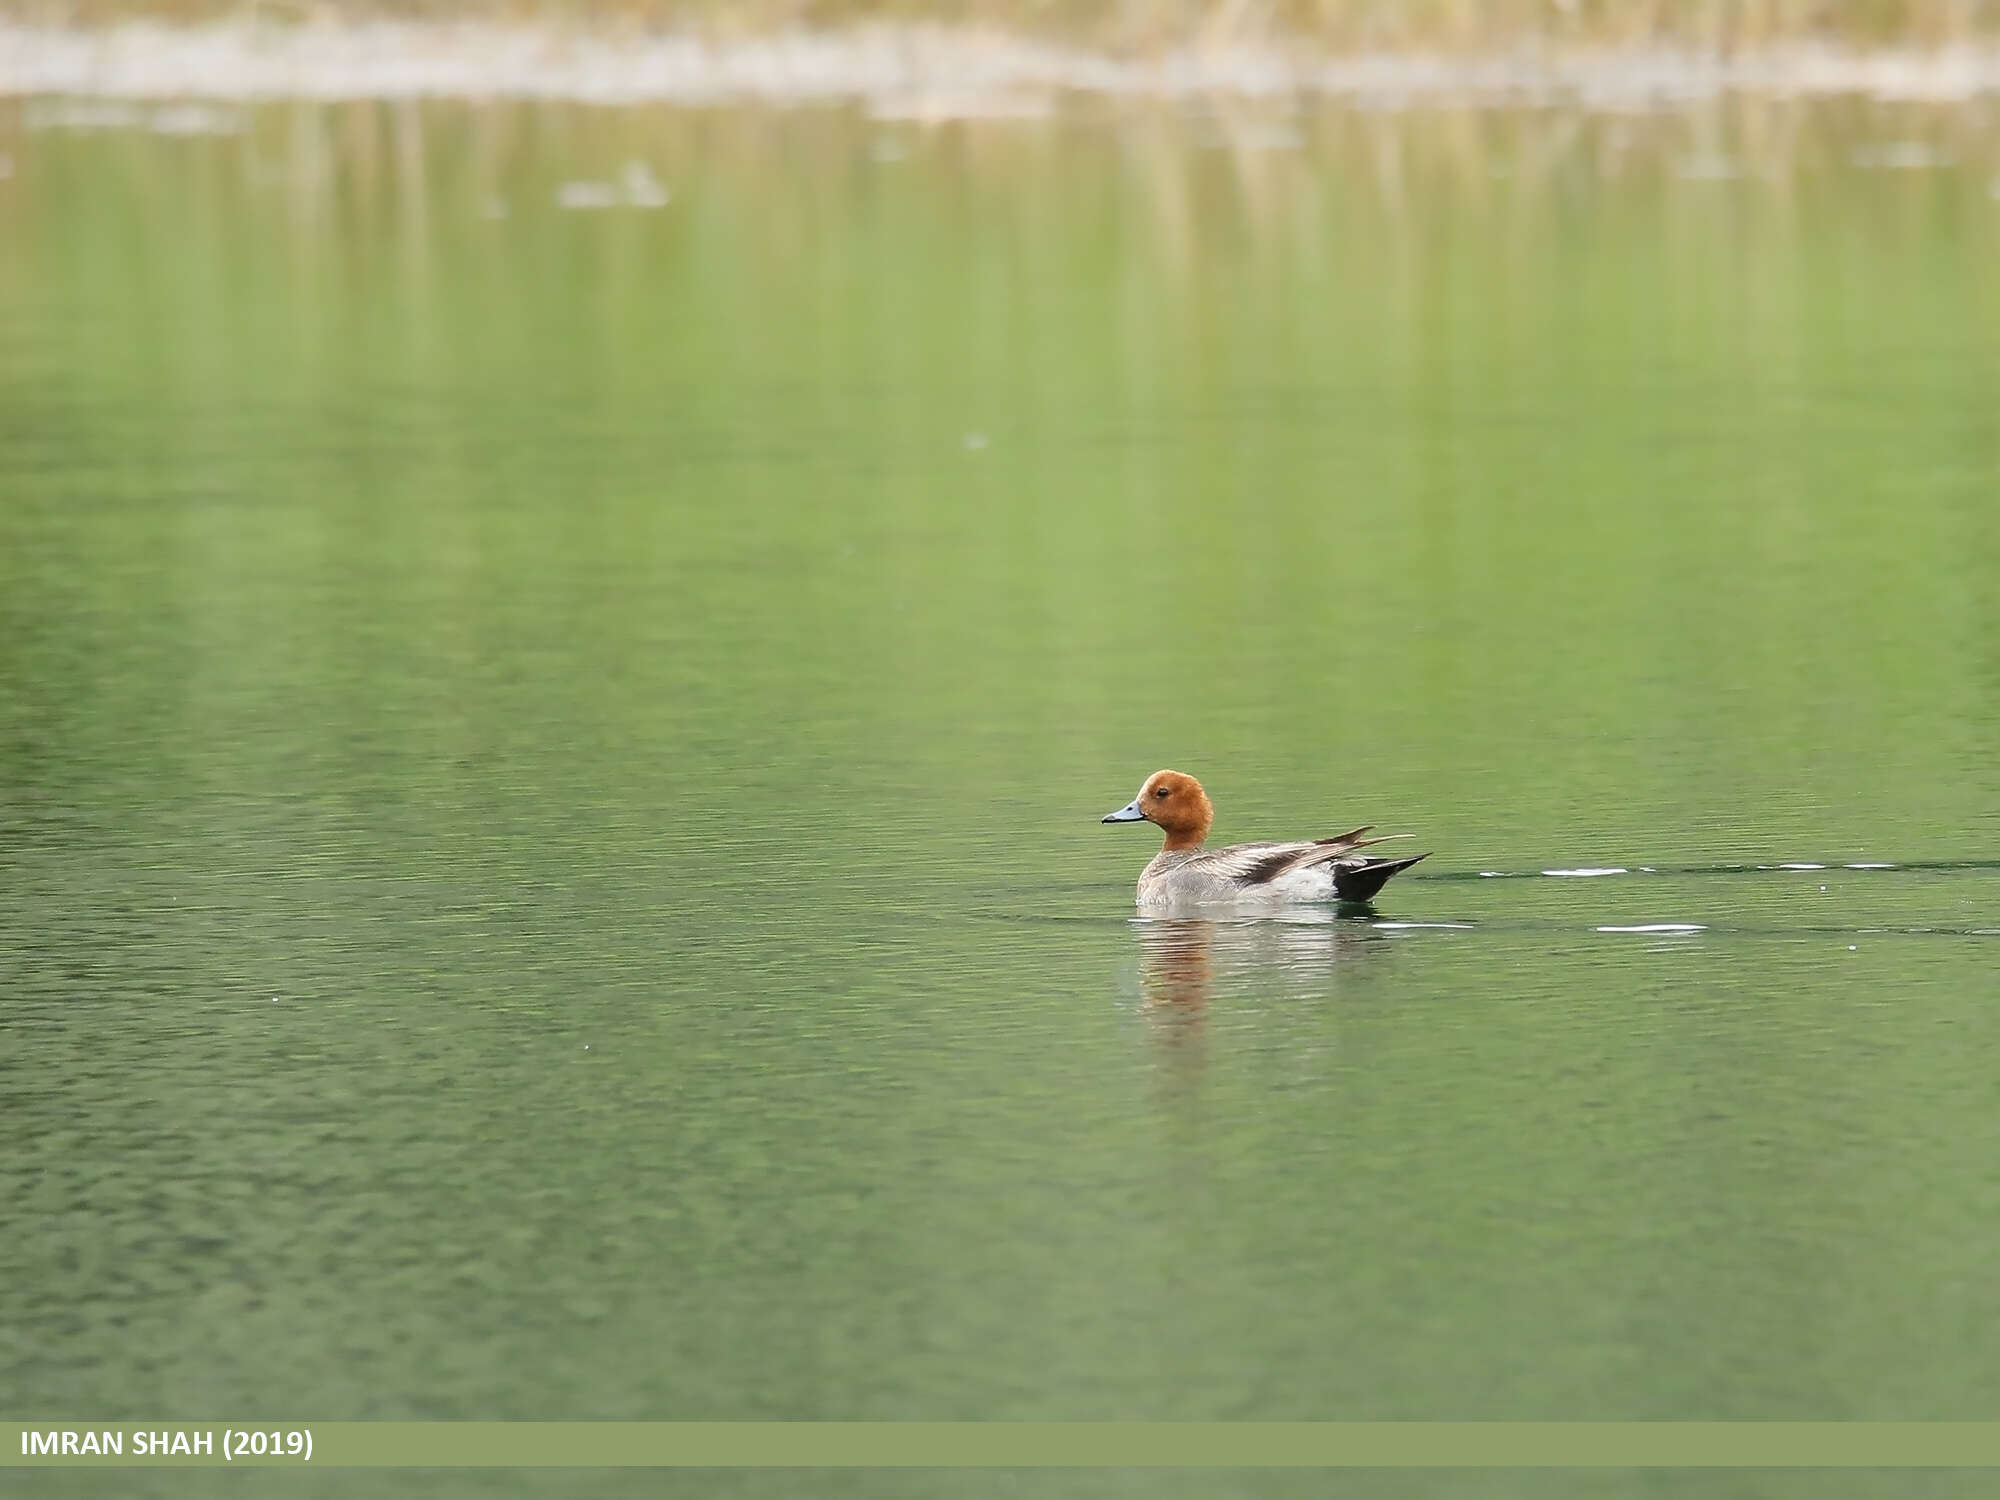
column 1175, row 801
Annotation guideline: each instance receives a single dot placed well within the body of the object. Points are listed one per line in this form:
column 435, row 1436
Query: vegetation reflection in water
column 552, row 757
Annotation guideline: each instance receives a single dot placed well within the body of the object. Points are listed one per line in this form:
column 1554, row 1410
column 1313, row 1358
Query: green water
column 550, row 764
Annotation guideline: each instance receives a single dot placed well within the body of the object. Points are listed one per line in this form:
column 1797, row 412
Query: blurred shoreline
column 924, row 72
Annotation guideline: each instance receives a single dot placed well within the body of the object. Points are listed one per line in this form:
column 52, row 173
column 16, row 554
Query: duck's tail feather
column 1344, row 843
column 1362, row 879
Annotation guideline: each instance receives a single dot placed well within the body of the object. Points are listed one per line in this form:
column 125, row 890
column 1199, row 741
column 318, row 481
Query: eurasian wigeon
column 1184, row 873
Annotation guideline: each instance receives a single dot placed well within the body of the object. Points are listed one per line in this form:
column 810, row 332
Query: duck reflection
column 1185, row 962
column 1183, row 959
column 1180, row 958
column 1176, row 964
column 1176, row 970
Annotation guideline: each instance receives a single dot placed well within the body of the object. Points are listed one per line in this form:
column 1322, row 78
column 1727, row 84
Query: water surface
column 550, row 758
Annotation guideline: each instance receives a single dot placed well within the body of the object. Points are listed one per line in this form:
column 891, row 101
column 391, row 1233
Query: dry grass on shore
column 1137, row 26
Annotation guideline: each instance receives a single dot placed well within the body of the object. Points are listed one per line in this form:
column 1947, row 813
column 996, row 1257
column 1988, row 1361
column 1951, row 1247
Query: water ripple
column 1589, row 871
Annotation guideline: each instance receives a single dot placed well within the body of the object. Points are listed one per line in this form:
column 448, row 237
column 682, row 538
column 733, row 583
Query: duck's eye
column 1159, row 791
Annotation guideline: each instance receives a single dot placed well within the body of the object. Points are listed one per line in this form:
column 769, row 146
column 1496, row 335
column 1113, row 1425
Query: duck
column 1185, row 874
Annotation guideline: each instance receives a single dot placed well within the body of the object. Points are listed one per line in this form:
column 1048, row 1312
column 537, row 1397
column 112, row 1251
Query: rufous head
column 1175, row 801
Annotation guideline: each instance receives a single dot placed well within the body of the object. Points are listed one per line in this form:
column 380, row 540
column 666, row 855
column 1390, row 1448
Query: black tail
column 1361, row 881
